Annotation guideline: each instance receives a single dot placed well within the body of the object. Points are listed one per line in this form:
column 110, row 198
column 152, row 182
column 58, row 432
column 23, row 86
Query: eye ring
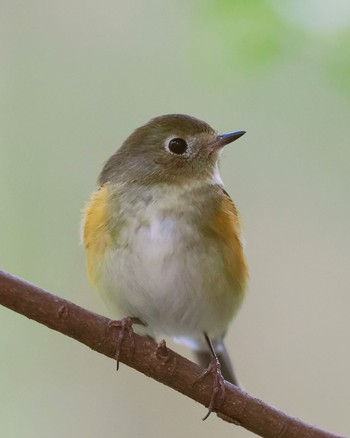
column 178, row 146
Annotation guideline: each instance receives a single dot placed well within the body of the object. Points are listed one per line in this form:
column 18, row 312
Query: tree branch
column 156, row 361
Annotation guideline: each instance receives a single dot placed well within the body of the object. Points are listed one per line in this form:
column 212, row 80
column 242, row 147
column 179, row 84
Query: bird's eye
column 177, row 146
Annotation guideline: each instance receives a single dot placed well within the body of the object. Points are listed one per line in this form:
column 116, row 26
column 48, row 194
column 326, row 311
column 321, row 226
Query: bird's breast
column 169, row 266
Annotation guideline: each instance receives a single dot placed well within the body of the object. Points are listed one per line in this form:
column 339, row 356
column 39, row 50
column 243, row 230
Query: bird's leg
column 214, row 368
column 125, row 326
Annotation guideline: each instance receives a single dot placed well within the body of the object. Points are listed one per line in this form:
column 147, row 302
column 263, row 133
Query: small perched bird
column 163, row 237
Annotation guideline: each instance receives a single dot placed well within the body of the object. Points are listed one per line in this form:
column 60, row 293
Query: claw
column 214, row 369
column 218, row 384
column 125, row 326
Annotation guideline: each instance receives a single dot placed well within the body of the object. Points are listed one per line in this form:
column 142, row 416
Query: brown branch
column 158, row 362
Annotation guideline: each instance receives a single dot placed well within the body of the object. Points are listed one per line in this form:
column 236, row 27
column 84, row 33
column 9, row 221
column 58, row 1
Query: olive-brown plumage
column 163, row 238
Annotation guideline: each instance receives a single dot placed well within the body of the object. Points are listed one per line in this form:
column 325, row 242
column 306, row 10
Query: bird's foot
column 218, row 391
column 125, row 326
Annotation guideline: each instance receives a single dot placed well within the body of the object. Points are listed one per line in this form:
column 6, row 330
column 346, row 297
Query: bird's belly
column 172, row 278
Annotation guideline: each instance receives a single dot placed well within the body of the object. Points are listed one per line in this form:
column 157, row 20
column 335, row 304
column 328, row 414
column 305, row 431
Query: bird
column 163, row 238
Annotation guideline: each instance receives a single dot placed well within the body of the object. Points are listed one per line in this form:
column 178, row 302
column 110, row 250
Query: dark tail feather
column 204, row 357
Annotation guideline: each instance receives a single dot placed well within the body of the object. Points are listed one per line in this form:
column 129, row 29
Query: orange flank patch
column 226, row 224
column 96, row 236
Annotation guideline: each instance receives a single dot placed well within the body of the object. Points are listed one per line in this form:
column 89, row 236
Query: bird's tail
column 203, row 358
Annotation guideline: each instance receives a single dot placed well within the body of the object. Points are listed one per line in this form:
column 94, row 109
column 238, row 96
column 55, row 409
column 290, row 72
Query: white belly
column 171, row 277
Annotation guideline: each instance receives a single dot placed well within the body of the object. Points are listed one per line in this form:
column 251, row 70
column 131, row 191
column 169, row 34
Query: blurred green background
column 76, row 78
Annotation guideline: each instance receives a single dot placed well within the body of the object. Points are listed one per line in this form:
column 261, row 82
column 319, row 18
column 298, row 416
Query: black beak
column 225, row 139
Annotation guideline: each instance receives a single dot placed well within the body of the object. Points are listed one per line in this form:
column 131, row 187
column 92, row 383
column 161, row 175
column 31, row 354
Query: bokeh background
column 76, row 78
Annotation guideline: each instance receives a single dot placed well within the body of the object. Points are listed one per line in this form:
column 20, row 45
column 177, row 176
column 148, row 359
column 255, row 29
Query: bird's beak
column 225, row 139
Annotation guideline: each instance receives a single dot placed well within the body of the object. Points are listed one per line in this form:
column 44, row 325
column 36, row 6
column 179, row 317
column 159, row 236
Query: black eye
column 178, row 146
